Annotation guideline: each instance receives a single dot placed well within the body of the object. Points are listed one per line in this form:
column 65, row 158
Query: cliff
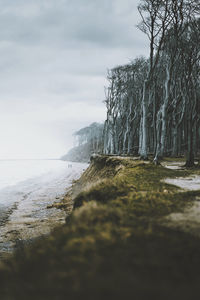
column 113, row 245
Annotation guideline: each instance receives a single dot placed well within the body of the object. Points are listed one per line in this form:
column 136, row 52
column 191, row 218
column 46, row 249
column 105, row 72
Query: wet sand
column 29, row 220
column 30, row 216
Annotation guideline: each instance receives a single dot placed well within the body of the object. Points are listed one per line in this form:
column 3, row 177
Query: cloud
column 54, row 56
column 102, row 23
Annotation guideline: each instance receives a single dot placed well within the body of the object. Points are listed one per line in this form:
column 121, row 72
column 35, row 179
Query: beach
column 26, row 210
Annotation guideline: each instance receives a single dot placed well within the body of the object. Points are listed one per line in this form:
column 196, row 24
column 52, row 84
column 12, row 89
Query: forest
column 153, row 104
column 87, row 141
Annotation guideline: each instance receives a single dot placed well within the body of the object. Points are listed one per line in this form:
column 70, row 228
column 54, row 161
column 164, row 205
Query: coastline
column 34, row 214
column 21, row 229
column 115, row 233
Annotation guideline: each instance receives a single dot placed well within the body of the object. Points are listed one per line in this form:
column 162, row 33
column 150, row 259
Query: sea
column 28, row 180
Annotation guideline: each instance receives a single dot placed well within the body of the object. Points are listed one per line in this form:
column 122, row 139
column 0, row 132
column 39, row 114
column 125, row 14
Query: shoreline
column 114, row 234
column 18, row 229
column 35, row 213
column 21, row 229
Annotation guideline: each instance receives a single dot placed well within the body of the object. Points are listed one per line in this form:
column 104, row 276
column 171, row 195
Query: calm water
column 27, row 180
column 15, row 171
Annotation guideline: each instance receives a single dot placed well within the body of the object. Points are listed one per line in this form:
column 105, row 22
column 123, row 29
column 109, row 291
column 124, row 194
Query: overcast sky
column 54, row 56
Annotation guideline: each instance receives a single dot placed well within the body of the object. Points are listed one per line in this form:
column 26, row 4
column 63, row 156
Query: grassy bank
column 113, row 245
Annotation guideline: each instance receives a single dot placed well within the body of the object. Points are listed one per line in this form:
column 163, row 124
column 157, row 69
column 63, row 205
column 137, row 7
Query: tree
column 153, row 105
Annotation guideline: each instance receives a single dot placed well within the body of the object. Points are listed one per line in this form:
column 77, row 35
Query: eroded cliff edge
column 113, row 244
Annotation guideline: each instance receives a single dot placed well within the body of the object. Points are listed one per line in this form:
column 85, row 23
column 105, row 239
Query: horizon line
column 11, row 159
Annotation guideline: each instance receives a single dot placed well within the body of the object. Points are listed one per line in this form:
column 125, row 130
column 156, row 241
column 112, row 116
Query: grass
column 113, row 245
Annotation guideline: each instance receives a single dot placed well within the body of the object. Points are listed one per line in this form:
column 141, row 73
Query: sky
column 54, row 57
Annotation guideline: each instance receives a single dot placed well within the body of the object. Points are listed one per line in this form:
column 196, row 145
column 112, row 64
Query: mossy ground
column 113, row 245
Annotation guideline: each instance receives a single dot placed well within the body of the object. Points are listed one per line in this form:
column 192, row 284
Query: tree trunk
column 190, row 151
column 130, row 144
column 164, row 113
column 143, row 137
column 158, row 146
column 175, row 142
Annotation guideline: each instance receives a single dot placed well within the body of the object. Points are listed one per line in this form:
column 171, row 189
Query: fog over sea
column 29, row 180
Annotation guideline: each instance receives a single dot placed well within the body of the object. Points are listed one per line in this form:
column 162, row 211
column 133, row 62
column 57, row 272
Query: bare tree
column 153, row 105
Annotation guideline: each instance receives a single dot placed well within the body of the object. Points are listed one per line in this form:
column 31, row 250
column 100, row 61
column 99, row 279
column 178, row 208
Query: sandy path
column 191, row 183
column 189, row 219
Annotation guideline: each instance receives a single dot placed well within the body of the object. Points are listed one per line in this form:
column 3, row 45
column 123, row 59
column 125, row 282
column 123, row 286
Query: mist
column 54, row 57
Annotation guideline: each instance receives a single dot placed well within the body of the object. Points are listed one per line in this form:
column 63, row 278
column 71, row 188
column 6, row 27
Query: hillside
column 114, row 244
